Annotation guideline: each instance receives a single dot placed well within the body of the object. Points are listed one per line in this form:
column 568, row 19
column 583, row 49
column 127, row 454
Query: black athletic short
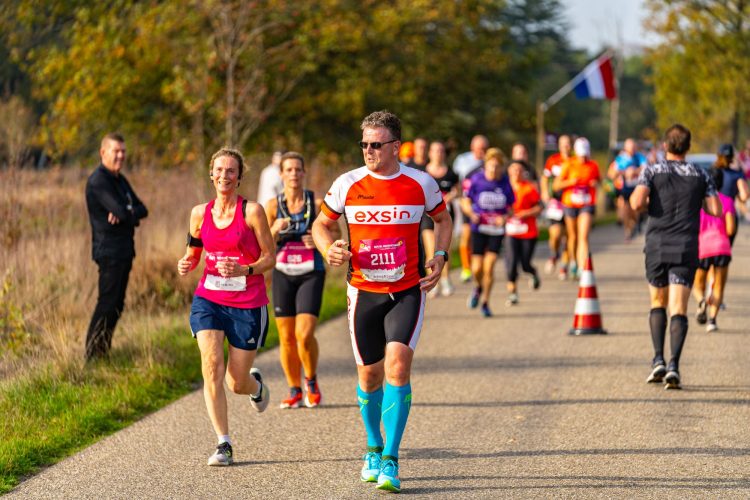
column 481, row 243
column 716, row 261
column 293, row 295
column 573, row 213
column 660, row 274
column 378, row 318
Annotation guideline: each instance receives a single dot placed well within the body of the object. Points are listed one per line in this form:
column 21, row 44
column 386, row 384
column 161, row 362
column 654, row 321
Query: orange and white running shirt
column 382, row 216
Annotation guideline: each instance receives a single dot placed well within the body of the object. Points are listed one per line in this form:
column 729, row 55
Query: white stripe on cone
column 587, row 307
column 587, row 279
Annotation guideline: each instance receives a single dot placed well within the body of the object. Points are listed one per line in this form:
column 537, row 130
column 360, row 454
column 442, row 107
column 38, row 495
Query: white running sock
column 225, row 439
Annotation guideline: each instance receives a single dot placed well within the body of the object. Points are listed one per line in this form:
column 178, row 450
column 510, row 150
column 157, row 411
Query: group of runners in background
column 399, row 210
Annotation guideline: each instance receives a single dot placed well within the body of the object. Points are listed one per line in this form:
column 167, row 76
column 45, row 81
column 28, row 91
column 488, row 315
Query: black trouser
column 519, row 251
column 113, row 281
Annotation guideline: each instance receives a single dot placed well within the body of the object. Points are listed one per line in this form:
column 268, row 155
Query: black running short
column 573, row 213
column 293, row 295
column 716, row 261
column 481, row 243
column 376, row 319
column 660, row 274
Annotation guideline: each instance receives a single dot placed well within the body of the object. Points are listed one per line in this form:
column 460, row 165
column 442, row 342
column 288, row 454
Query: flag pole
column 614, row 108
column 541, row 139
column 543, row 106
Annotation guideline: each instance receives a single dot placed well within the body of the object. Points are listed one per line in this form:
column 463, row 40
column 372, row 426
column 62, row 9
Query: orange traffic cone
column 588, row 317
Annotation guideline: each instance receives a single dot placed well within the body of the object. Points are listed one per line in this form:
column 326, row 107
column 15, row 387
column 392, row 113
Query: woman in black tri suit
column 448, row 183
column 298, row 279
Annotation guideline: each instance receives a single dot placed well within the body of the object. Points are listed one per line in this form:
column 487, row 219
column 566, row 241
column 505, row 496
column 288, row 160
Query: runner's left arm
column 443, row 233
column 743, row 191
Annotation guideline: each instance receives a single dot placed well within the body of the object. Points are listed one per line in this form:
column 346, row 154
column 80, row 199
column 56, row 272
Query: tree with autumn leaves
column 700, row 68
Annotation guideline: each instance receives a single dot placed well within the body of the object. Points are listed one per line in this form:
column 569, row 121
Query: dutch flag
column 597, row 80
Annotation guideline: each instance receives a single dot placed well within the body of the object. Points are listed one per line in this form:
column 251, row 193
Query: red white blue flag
column 597, row 80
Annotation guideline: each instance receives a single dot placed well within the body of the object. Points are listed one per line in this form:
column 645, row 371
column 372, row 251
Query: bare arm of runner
column 192, row 256
column 307, row 239
column 743, row 191
column 443, row 233
column 639, row 198
column 333, row 251
column 712, row 206
column 466, row 207
column 729, row 223
column 276, row 225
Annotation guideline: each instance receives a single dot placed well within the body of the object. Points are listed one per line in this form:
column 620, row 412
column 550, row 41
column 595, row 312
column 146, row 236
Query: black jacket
column 107, row 193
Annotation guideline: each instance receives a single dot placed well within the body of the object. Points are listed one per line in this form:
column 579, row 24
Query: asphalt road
column 504, row 407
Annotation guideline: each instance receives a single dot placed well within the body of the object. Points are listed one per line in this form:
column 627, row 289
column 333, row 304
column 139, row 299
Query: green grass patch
column 53, row 413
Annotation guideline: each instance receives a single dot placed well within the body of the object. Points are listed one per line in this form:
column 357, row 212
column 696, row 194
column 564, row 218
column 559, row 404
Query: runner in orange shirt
column 554, row 208
column 382, row 204
column 522, row 231
column 578, row 181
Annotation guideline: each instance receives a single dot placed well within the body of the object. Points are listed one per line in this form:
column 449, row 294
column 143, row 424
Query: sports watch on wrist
column 443, row 253
column 249, row 270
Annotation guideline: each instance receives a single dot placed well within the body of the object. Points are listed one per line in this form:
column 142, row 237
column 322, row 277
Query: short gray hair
column 383, row 119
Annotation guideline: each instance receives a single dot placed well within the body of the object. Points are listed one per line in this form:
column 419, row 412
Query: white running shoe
column 222, row 456
column 261, row 402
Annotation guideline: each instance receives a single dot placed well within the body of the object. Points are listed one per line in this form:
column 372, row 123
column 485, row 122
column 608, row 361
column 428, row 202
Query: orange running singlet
column 382, row 216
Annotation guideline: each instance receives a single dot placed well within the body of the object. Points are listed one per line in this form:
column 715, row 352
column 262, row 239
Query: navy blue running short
column 244, row 328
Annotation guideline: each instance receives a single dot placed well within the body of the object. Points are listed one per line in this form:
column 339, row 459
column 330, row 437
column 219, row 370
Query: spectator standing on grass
column 114, row 213
column 270, row 184
column 230, row 300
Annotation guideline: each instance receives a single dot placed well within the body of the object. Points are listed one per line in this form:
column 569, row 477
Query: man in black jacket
column 114, row 212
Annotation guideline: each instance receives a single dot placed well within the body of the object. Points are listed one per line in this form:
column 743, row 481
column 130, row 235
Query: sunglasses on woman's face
column 374, row 145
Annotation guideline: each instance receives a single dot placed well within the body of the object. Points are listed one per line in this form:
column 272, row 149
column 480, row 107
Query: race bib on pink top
column 382, row 259
column 295, row 259
column 214, row 281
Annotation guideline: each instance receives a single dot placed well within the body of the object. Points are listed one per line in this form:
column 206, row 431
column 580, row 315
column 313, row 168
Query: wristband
column 249, row 270
column 443, row 253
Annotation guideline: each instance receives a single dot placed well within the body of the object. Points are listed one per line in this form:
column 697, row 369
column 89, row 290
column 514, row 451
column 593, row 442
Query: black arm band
column 194, row 242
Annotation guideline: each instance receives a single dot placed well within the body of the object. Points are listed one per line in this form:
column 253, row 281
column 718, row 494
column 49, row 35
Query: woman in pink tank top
column 230, row 300
column 715, row 254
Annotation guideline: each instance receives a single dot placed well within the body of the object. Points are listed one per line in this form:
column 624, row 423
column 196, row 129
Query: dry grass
column 48, row 280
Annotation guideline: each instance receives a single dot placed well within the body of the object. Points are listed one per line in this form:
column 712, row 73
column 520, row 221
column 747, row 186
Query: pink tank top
column 235, row 242
column 713, row 239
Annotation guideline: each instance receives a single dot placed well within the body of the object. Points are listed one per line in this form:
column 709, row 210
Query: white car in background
column 703, row 160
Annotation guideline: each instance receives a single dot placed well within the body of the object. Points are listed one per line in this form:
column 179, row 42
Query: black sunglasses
column 375, row 145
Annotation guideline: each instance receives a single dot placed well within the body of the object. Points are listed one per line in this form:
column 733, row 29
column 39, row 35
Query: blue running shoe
column 473, row 301
column 388, row 479
column 371, row 467
column 486, row 310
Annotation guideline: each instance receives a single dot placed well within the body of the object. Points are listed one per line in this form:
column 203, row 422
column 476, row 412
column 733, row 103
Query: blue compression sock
column 396, row 405
column 370, row 408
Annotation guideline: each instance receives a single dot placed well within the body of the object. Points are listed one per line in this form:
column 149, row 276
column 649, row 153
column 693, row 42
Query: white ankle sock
column 225, row 439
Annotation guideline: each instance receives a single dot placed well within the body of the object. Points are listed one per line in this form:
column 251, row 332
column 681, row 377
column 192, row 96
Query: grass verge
column 53, row 413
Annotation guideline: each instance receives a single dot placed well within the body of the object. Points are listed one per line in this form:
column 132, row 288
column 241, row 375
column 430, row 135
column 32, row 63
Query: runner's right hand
column 280, row 224
column 337, row 253
column 185, row 265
